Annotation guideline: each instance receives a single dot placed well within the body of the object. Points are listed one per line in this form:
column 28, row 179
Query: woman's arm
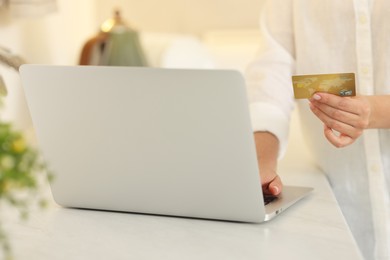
column 267, row 148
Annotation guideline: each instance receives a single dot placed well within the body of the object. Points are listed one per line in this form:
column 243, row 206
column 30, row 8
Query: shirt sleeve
column 269, row 75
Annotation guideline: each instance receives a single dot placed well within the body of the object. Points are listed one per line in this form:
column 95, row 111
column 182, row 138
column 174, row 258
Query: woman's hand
column 273, row 185
column 349, row 116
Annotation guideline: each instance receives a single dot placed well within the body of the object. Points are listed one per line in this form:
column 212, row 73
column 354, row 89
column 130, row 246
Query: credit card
column 341, row 84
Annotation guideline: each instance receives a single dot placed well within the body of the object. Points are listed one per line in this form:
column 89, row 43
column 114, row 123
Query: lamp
column 116, row 44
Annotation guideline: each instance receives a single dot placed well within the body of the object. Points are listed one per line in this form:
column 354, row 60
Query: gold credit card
column 341, row 84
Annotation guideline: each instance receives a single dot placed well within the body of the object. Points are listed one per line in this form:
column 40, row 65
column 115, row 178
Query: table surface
column 312, row 229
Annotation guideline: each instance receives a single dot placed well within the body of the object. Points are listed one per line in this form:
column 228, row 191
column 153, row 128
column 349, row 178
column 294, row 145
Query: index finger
column 274, row 187
column 342, row 103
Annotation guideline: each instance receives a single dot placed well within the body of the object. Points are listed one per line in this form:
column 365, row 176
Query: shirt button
column 365, row 70
column 363, row 18
column 375, row 168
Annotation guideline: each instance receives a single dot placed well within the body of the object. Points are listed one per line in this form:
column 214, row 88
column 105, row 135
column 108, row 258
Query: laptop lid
column 146, row 140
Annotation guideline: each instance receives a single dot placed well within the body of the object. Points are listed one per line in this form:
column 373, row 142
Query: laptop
column 175, row 142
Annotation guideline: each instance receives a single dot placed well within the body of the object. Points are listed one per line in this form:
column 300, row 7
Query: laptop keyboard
column 268, row 198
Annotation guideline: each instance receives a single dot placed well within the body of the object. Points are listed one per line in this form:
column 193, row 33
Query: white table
column 312, row 229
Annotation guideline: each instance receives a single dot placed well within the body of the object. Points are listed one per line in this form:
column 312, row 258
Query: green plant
column 20, row 171
column 21, row 167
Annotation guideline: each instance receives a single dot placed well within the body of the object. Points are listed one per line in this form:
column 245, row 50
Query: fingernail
column 276, row 189
column 316, row 97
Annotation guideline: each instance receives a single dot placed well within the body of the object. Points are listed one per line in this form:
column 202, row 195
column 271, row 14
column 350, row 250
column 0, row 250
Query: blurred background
column 57, row 37
column 171, row 33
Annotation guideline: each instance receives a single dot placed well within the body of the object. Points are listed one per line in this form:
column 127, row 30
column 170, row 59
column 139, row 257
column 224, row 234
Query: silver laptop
column 153, row 141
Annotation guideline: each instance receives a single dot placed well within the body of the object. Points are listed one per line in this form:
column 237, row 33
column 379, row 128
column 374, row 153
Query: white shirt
column 314, row 37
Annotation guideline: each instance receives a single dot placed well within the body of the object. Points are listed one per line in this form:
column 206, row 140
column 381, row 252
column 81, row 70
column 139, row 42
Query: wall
column 185, row 16
column 55, row 38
